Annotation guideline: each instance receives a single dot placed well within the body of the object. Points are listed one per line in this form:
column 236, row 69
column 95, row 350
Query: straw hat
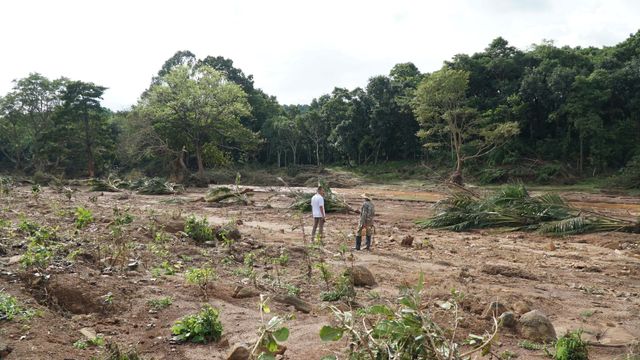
column 365, row 196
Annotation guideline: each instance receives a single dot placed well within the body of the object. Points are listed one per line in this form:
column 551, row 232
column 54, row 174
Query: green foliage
column 83, row 217
column 529, row 345
column 332, row 202
column 11, row 309
column 406, row 332
column 512, row 207
column 202, row 327
column 80, row 344
column 198, row 230
column 342, row 289
column 160, row 303
column 200, row 276
column 42, row 245
column 270, row 334
column 571, row 347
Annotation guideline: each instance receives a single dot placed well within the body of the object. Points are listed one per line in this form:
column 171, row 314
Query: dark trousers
column 318, row 223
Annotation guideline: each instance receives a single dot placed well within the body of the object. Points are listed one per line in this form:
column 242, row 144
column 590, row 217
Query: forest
column 546, row 114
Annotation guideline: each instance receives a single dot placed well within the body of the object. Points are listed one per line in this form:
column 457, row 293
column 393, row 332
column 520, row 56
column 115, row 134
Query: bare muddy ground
column 590, row 282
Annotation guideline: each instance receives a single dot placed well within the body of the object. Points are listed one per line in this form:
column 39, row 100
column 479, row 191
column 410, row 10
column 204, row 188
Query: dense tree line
column 500, row 113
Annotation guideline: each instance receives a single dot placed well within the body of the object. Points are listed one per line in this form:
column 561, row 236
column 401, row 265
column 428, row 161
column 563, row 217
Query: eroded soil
column 589, row 281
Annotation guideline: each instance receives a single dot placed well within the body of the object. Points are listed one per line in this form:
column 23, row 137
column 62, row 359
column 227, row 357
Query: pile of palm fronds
column 147, row 186
column 332, row 203
column 513, row 208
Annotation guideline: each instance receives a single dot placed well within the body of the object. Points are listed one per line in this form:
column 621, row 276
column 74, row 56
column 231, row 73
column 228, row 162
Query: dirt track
column 590, row 281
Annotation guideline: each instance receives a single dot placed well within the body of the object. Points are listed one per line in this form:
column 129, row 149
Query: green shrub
column 83, row 217
column 202, row 327
column 198, row 230
column 10, row 308
column 571, row 347
column 159, row 304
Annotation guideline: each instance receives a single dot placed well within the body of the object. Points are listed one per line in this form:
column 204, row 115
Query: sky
column 296, row 50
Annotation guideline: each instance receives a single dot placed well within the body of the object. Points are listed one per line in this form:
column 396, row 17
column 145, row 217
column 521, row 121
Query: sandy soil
column 590, row 282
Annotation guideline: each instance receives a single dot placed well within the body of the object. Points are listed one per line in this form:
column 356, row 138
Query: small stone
column 244, row 292
column 132, row 265
column 508, row 320
column 407, row 241
column 551, row 246
column 296, row 302
column 494, row 309
column 521, row 307
column 535, row 326
column 14, row 259
column 89, row 333
column 239, row 353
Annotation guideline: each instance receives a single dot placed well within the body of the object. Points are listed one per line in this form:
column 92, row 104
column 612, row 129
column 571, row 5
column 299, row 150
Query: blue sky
column 296, row 50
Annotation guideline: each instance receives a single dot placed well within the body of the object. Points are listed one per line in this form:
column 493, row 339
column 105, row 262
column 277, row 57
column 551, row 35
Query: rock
column 296, row 302
column 551, row 246
column 494, row 309
column 508, row 320
column 89, row 333
column 3, row 251
column 507, row 271
column 243, row 292
column 407, row 241
column 361, row 276
column 535, row 326
column 239, row 353
column 14, row 259
column 132, row 265
column 5, row 350
column 521, row 307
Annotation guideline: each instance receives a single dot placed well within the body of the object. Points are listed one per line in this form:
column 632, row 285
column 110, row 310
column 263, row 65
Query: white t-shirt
column 316, row 202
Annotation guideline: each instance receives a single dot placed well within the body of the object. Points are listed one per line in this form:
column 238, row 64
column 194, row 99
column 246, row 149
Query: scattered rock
column 535, row 326
column 551, row 246
column 296, row 302
column 89, row 333
column 494, row 309
column 239, row 353
column 407, row 241
column 521, row 307
column 361, row 276
column 508, row 320
column 133, row 265
column 244, row 292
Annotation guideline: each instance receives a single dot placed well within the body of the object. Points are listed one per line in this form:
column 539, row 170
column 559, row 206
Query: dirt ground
column 590, row 282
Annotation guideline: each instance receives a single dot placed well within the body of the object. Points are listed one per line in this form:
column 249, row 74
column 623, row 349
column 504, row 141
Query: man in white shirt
column 317, row 208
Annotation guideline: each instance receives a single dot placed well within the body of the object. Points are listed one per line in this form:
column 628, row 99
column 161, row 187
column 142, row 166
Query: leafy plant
column 201, row 277
column 202, row 327
column 270, row 333
column 571, row 347
column 10, row 308
column 342, row 289
column 406, row 332
column 83, row 217
column 80, row 344
column 530, row 345
column 198, row 230
column 160, row 304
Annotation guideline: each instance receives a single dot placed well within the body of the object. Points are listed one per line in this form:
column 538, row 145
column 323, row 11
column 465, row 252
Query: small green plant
column 325, row 273
column 11, row 309
column 198, row 230
column 83, row 217
column 270, row 334
column 36, row 189
column 571, row 347
column 530, row 345
column 80, row 344
column 202, row 327
column 343, row 289
column 201, row 277
column 108, row 298
column 587, row 313
column 508, row 355
column 160, row 304
column 122, row 217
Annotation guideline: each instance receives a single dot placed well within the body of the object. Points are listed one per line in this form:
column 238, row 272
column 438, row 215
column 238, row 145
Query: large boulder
column 361, row 276
column 535, row 326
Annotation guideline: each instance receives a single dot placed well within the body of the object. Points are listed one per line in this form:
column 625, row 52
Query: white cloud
column 296, row 50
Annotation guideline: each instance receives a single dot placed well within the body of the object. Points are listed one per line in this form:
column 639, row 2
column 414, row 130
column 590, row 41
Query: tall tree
column 197, row 109
column 441, row 105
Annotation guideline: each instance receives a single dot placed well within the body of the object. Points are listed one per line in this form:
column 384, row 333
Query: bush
column 83, row 217
column 571, row 347
column 202, row 327
column 198, row 230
